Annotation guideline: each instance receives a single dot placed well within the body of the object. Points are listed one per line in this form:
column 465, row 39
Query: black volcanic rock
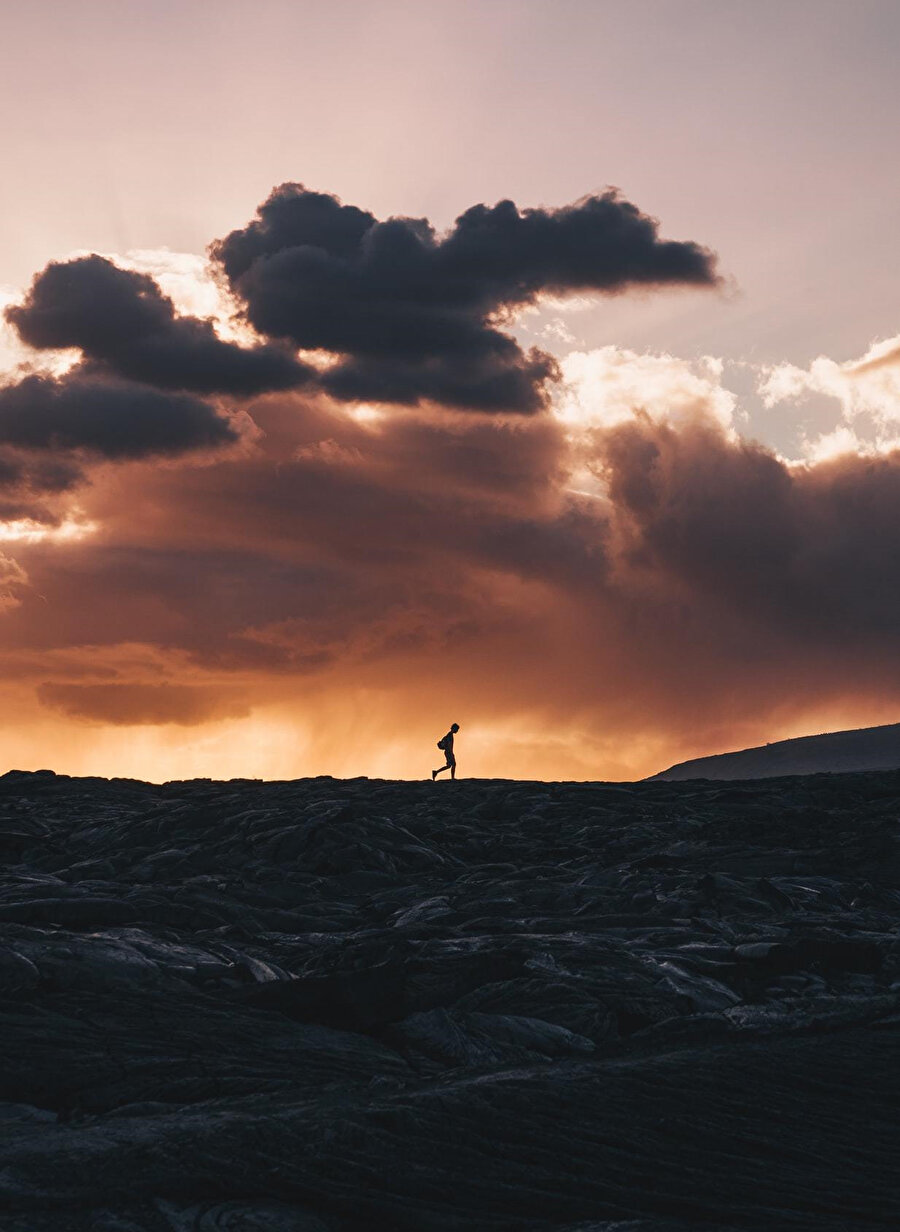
column 330, row 1006
column 866, row 748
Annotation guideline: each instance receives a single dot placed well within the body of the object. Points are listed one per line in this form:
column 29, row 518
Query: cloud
column 108, row 419
column 124, row 325
column 13, row 580
column 880, row 355
column 867, row 391
column 604, row 387
column 412, row 316
column 33, row 491
column 141, row 704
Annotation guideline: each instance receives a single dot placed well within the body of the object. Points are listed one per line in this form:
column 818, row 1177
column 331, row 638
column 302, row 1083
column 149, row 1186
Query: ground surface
column 327, row 1005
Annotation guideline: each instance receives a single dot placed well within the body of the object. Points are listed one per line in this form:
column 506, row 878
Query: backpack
column 442, row 743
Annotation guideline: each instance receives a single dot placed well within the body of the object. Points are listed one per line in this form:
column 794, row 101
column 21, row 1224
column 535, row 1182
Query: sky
column 366, row 368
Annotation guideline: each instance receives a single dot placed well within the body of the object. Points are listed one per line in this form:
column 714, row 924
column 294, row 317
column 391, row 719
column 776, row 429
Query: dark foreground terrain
column 864, row 748
column 348, row 1005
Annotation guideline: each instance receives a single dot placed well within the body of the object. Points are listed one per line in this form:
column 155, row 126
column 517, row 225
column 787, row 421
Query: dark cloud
column 133, row 704
column 50, row 475
column 108, row 419
column 503, row 379
column 125, row 327
column 124, row 324
column 32, row 487
column 414, row 316
column 809, row 554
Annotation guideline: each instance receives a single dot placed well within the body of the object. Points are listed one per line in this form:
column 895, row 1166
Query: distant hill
column 867, row 748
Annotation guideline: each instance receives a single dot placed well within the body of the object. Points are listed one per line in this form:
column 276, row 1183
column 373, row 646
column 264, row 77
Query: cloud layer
column 609, row 583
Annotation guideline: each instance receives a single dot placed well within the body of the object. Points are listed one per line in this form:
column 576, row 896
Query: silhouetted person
column 446, row 743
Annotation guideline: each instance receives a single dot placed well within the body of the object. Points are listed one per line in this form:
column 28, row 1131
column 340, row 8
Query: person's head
column 454, row 727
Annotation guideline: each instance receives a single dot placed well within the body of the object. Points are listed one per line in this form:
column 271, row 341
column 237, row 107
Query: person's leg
column 435, row 773
column 452, row 765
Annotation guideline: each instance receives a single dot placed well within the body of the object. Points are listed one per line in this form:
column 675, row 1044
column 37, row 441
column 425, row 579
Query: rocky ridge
column 329, row 1006
column 842, row 752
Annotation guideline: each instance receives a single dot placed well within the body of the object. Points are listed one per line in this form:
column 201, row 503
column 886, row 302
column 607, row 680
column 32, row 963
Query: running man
column 446, row 744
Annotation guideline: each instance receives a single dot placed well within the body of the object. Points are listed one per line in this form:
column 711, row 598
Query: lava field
column 352, row 1005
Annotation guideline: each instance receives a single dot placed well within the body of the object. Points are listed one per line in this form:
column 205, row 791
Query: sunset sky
column 365, row 368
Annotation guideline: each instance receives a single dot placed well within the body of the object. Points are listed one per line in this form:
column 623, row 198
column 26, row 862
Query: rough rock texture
column 864, row 748
column 330, row 1006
